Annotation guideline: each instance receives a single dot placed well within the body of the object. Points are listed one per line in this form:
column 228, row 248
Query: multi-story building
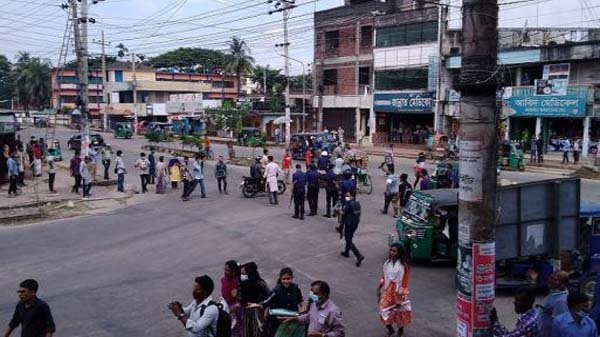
column 343, row 65
column 551, row 80
column 65, row 90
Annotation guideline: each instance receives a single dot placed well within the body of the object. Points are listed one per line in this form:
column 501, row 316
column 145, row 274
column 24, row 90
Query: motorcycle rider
column 323, row 162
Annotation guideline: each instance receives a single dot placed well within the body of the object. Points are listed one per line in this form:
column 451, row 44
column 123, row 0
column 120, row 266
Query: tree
column 189, row 60
column 32, row 82
column 239, row 61
column 228, row 118
column 275, row 80
column 6, row 81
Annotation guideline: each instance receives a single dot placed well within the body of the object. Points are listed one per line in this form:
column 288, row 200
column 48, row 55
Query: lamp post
column 303, row 90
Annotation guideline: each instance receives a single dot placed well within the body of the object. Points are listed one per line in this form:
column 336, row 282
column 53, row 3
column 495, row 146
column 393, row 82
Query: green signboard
column 568, row 106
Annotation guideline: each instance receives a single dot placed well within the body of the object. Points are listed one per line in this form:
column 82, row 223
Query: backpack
column 223, row 321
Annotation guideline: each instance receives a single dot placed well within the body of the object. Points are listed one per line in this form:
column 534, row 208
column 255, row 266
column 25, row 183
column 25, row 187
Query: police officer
column 346, row 187
column 352, row 218
column 331, row 188
column 312, row 177
column 298, row 192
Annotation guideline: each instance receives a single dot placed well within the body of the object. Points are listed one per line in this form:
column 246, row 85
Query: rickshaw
column 53, row 149
column 122, row 130
column 251, row 137
column 510, row 156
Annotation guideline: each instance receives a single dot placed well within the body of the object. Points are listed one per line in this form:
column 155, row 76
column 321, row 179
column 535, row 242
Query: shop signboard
column 568, row 106
column 554, row 87
column 557, row 71
column 404, row 102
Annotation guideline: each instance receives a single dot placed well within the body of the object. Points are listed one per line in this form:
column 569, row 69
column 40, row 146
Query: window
column 118, row 75
column 219, row 84
column 332, row 40
column 401, row 79
column 364, row 75
column 330, row 77
column 366, row 36
column 408, row 34
column 125, row 97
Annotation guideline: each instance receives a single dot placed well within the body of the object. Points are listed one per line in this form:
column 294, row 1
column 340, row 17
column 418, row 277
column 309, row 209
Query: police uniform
column 332, row 191
column 299, row 182
column 348, row 185
column 312, row 195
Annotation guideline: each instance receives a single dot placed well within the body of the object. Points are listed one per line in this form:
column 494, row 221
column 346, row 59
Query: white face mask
column 244, row 277
column 348, row 198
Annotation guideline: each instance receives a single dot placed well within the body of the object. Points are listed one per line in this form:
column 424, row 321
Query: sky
column 151, row 27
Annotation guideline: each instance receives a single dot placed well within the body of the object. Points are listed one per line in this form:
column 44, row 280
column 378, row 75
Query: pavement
column 112, row 273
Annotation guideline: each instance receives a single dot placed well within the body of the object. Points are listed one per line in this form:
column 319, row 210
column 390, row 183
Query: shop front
column 554, row 118
column 403, row 117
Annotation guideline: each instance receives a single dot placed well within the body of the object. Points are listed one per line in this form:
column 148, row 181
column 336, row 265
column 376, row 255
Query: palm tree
column 32, row 84
column 239, row 61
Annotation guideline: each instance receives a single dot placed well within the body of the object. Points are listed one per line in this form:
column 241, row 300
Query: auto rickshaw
column 123, row 130
column 53, row 149
column 251, row 137
column 510, row 156
column 422, row 225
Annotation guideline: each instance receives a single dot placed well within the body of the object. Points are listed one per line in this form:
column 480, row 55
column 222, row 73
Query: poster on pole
column 464, row 270
column 471, row 165
column 463, row 316
column 484, row 266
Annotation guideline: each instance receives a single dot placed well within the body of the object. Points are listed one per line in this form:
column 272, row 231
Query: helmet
column 324, row 154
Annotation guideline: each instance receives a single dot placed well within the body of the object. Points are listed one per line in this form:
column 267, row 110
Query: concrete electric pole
column 285, row 6
column 104, row 84
column 477, row 193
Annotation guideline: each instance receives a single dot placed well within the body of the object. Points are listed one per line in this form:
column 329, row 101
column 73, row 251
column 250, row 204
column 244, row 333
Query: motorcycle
column 251, row 186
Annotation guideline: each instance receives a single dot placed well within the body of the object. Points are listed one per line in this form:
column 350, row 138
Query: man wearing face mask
column 575, row 322
column 527, row 323
column 351, row 211
column 556, row 302
column 200, row 317
column 324, row 318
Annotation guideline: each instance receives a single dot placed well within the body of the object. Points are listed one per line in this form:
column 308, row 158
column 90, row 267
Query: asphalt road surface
column 113, row 274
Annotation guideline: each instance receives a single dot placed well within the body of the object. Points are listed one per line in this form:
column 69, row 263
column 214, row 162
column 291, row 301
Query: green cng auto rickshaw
column 510, row 156
column 251, row 137
column 428, row 226
column 123, row 130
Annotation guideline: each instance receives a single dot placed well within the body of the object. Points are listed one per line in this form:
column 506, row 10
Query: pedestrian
column 341, row 134
column 230, row 150
column 323, row 162
column 21, row 159
column 36, row 151
column 308, row 158
column 286, row 165
column 174, row 171
column 339, row 164
column 207, row 148
column 419, row 167
column 201, row 316
column 286, row 295
column 151, row 167
column 405, row 190
column 106, row 154
column 221, row 175
column 533, row 150
column 575, row 322
column 13, row 174
column 566, row 147
column 198, row 177
column 162, row 176
column 264, row 160
column 230, row 290
column 555, row 303
column 392, row 193
column 120, row 171
column 298, row 192
column 86, row 176
column 18, row 142
column 540, row 149
column 312, row 195
column 389, row 158
column 51, row 173
column 143, row 165
column 425, row 183
column 324, row 318
column 351, row 211
column 576, row 150
column 43, row 147
column 392, row 293
column 272, row 171
column 331, row 190
column 253, row 289
column 277, row 135
column 527, row 323
column 186, row 176
column 31, row 313
column 93, row 165
column 74, row 166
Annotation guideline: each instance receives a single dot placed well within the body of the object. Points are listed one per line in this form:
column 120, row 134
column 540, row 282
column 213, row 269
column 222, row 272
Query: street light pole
column 303, row 90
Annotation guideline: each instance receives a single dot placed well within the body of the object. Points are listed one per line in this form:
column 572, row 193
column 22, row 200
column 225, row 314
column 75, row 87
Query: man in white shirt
column 271, row 172
column 200, row 317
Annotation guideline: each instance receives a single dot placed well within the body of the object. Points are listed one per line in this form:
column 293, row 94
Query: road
column 113, row 274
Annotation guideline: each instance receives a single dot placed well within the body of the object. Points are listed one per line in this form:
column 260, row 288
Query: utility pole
column 104, row 84
column 477, row 193
column 134, row 90
column 83, row 75
column 265, row 82
column 286, row 8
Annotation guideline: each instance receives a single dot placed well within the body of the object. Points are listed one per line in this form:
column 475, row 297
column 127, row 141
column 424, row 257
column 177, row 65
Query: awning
column 281, row 120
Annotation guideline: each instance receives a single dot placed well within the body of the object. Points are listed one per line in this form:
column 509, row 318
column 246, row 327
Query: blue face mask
column 581, row 314
column 313, row 297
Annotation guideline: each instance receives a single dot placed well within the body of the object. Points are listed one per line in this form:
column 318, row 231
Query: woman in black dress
column 254, row 292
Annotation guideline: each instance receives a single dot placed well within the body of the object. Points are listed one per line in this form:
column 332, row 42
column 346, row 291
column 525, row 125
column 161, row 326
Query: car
column 96, row 140
column 40, row 121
